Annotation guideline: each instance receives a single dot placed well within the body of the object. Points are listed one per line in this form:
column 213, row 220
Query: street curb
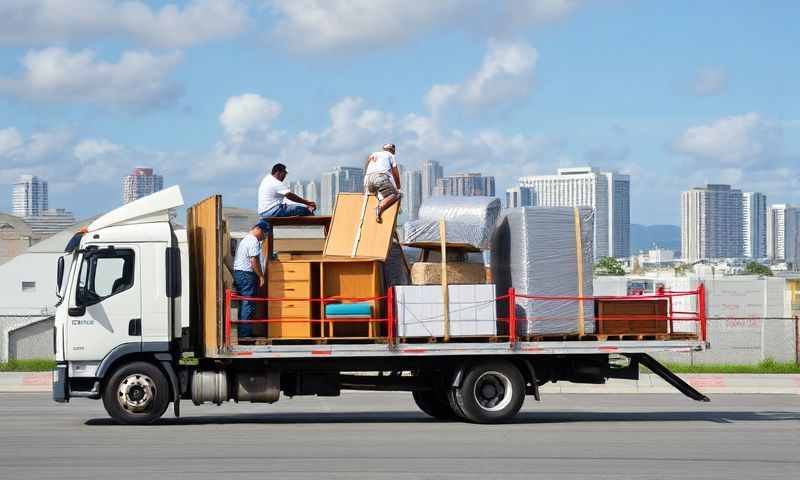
column 647, row 383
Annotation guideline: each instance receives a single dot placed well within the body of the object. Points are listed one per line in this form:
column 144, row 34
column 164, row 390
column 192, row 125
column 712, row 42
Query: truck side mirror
column 59, row 274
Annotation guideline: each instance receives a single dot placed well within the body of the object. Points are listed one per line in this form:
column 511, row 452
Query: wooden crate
column 632, row 316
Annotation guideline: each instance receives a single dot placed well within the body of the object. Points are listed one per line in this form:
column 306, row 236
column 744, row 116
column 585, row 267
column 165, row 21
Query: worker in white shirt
column 383, row 178
column 272, row 194
column 248, row 276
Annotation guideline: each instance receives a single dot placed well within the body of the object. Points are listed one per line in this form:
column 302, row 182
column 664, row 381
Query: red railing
column 230, row 296
column 511, row 296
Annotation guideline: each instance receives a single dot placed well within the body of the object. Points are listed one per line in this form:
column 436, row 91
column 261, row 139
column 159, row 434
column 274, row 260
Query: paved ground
column 710, row 384
column 377, row 436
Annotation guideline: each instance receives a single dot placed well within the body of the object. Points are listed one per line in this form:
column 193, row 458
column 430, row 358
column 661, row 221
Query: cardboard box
column 420, row 310
column 430, row 273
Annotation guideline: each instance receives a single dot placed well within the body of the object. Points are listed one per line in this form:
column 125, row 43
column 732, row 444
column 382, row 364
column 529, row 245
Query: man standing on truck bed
column 271, row 195
column 247, row 274
column 383, row 178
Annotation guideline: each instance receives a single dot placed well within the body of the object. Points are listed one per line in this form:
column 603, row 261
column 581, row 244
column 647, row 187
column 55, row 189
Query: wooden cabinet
column 292, row 281
column 632, row 317
column 295, row 281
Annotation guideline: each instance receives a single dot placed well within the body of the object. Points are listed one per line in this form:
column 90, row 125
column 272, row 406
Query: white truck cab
column 120, row 296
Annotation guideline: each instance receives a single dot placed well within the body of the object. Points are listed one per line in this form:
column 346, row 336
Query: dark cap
column 264, row 226
column 278, row 167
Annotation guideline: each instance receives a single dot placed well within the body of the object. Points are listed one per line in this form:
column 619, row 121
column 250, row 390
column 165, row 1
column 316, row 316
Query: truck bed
column 455, row 348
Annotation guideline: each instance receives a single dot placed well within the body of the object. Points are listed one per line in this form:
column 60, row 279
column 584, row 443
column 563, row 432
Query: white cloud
column 16, row 150
column 10, row 141
column 325, row 25
column 43, row 22
column 247, row 113
column 87, row 150
column 710, row 81
column 506, row 74
column 336, row 25
column 137, row 81
column 735, row 141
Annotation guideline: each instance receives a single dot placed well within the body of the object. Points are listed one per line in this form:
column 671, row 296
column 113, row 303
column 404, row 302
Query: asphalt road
column 382, row 435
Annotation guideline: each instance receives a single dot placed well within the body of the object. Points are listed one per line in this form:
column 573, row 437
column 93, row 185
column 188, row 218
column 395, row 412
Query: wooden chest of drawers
column 292, row 281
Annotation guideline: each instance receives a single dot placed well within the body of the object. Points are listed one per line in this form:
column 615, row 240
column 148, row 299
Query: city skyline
column 213, row 108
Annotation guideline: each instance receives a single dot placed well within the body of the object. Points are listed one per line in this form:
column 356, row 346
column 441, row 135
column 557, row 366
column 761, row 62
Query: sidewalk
column 647, row 383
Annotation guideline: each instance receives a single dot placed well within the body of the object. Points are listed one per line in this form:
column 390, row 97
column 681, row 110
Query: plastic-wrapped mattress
column 546, row 251
column 468, row 220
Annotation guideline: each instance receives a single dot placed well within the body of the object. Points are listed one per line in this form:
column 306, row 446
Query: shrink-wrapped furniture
column 546, row 251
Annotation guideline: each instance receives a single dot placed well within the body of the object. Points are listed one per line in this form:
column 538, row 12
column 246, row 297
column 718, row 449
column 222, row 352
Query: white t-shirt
column 271, row 193
column 248, row 248
column 381, row 162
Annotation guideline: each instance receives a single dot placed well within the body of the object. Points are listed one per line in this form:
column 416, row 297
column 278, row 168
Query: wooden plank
column 373, row 238
column 204, row 232
column 445, row 290
column 579, row 259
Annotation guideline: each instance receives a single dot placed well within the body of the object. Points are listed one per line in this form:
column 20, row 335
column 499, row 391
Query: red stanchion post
column 390, row 314
column 227, row 317
column 512, row 316
column 701, row 311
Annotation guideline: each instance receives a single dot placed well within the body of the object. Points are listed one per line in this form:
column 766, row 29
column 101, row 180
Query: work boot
column 378, row 214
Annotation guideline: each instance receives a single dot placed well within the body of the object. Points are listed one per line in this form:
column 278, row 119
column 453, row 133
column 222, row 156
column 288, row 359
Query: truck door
column 105, row 302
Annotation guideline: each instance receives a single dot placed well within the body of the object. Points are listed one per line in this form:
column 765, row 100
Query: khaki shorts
column 381, row 184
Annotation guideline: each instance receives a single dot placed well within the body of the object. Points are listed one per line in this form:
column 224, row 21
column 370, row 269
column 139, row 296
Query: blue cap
column 264, row 226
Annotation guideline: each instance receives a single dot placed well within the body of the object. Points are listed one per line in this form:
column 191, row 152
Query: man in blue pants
column 271, row 195
column 248, row 276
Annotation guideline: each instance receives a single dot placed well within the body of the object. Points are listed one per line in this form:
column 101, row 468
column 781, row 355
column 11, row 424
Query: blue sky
column 212, row 93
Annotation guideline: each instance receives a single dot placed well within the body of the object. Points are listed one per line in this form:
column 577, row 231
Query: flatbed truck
column 140, row 325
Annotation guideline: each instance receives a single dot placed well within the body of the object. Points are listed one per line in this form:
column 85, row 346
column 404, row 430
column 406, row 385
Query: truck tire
column 491, row 392
column 434, row 403
column 136, row 394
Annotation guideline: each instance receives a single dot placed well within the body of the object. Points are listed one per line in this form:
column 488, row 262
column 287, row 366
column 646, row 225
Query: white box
column 420, row 310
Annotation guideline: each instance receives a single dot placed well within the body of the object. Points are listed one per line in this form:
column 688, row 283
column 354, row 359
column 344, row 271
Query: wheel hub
column 136, row 392
column 493, row 391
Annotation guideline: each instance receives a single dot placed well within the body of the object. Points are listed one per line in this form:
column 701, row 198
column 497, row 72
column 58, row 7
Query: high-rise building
column 754, row 224
column 431, row 173
column 608, row 193
column 711, row 223
column 519, row 197
column 465, row 185
column 312, row 191
column 411, row 184
column 783, row 234
column 140, row 183
column 340, row 180
column 30, row 196
column 50, row 221
column 298, row 187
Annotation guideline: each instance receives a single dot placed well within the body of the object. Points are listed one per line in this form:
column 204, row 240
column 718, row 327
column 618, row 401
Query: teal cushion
column 348, row 310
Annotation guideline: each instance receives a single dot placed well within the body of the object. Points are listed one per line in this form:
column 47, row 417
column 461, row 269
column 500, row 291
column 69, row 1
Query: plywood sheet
column 204, row 232
column 370, row 238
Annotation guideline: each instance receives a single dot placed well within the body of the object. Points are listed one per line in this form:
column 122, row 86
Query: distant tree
column 682, row 269
column 755, row 268
column 609, row 266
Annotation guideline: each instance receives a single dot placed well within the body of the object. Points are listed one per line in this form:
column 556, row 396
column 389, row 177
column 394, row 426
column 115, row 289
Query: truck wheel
column 136, row 394
column 491, row 392
column 434, row 403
